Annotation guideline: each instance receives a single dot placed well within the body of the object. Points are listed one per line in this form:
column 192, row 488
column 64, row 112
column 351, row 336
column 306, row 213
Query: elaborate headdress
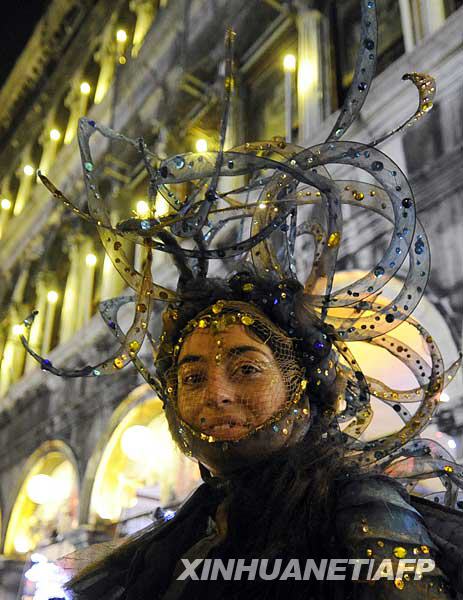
column 288, row 192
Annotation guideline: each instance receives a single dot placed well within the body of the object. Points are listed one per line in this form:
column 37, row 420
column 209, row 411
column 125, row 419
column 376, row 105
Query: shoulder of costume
column 99, row 572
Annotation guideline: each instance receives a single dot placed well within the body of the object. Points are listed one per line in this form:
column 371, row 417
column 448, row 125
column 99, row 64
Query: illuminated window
column 46, row 506
column 140, row 468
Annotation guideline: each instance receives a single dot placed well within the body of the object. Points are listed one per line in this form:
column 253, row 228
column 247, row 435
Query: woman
column 253, row 404
column 258, row 379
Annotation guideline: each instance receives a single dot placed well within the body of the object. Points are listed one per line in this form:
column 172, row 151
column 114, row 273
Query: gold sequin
column 400, row 552
column 425, row 549
column 303, row 384
column 247, row 320
column 369, row 552
column 134, row 346
column 380, row 543
column 218, row 307
column 118, row 362
column 248, row 287
column 202, row 323
column 334, row 239
column 399, row 584
column 448, row 469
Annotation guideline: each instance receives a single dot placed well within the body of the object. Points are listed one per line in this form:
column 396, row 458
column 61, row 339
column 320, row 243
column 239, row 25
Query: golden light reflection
column 139, row 454
column 46, row 505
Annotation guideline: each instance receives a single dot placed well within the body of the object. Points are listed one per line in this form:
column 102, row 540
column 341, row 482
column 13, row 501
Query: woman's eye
column 193, row 379
column 247, row 370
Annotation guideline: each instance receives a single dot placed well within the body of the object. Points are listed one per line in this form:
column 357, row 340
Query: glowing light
column 307, row 75
column 90, row 260
column 121, row 35
column 28, row 170
column 444, row 397
column 138, row 442
column 38, row 558
column 289, row 63
column 22, row 544
column 55, row 135
column 201, row 145
column 452, row 444
column 6, row 204
column 49, row 580
column 143, row 209
column 41, row 489
column 262, row 205
column 18, row 329
column 52, row 297
column 85, row 88
column 162, row 207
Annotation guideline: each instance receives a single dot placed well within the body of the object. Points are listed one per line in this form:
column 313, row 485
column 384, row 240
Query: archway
column 46, row 505
column 137, row 467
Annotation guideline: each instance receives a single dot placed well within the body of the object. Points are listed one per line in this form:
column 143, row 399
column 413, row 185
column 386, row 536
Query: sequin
column 400, row 552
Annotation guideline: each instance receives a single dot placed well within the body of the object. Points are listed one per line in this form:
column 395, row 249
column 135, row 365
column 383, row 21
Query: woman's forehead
column 202, row 341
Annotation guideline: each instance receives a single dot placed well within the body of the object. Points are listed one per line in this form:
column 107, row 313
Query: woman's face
column 228, row 382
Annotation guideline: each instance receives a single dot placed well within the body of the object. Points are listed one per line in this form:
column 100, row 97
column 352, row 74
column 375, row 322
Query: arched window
column 139, row 467
column 46, row 506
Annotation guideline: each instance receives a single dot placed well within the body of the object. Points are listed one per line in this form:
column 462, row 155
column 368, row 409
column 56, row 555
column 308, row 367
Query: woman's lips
column 224, row 425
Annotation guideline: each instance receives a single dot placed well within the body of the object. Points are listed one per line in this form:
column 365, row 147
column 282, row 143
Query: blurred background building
column 89, row 459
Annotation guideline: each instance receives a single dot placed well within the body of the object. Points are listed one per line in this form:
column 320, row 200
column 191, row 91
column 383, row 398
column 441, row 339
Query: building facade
column 73, row 452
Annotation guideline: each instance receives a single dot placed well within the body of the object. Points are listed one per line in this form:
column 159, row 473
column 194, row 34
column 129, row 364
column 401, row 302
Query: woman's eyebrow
column 191, row 358
column 246, row 348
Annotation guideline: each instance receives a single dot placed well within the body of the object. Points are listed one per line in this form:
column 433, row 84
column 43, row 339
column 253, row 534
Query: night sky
column 16, row 26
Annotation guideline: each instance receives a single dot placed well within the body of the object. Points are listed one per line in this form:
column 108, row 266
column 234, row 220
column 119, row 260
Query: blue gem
column 275, row 301
column 339, row 132
column 46, row 363
column 377, row 165
column 112, row 324
column 378, row 272
column 179, row 162
column 419, row 246
column 96, row 372
column 392, row 264
column 92, row 123
column 88, row 166
column 319, row 345
column 371, row 4
column 145, row 225
column 398, row 251
column 362, row 86
column 275, row 428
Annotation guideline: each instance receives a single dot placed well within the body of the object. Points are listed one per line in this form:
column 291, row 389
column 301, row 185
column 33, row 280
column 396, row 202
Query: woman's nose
column 219, row 391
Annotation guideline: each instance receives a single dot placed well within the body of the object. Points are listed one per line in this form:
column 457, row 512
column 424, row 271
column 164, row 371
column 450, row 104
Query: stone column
column 145, row 11
column 6, row 206
column 26, row 176
column 77, row 102
column 106, row 58
column 432, row 15
column 69, row 311
column 86, row 284
column 313, row 70
column 235, row 132
column 49, row 141
column 408, row 29
column 50, row 316
column 36, row 333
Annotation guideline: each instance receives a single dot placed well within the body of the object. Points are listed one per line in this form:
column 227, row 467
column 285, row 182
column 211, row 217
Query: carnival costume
column 288, row 194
